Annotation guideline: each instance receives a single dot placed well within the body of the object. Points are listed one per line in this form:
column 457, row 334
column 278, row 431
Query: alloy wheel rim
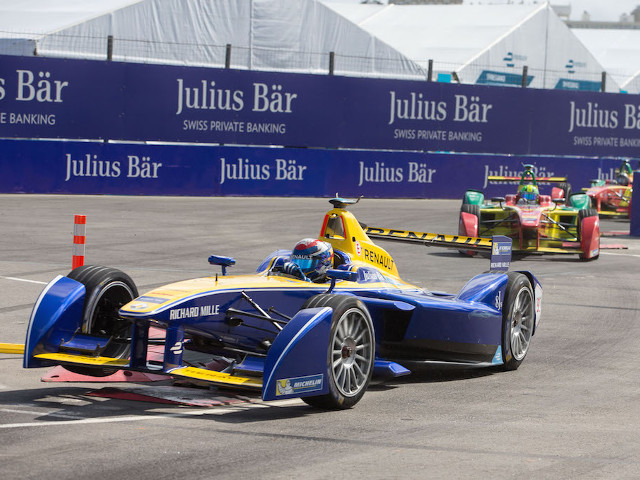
column 522, row 324
column 351, row 352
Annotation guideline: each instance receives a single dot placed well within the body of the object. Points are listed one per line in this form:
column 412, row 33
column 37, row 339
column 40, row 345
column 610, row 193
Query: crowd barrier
column 83, row 99
column 73, row 167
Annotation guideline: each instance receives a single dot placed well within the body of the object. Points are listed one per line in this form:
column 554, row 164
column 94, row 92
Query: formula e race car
column 556, row 223
column 283, row 335
column 612, row 198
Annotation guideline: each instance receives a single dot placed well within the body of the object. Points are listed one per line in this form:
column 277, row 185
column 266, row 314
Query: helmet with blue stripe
column 313, row 256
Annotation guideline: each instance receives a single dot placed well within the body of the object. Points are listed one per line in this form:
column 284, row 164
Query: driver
column 310, row 260
column 528, row 194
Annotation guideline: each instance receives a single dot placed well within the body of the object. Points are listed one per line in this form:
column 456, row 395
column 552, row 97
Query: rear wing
column 500, row 178
column 528, row 173
column 499, row 246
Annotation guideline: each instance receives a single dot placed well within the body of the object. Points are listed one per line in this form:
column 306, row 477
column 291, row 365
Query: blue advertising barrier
column 72, row 167
column 84, row 99
column 634, row 214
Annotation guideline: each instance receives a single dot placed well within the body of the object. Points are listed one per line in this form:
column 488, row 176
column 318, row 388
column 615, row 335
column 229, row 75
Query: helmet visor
column 305, row 264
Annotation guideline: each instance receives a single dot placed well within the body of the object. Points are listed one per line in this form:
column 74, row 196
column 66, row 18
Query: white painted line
column 137, row 418
column 48, row 414
column 24, row 280
column 623, row 254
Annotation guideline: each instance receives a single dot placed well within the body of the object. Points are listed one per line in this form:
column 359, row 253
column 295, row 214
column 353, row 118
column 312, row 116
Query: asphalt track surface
column 572, row 410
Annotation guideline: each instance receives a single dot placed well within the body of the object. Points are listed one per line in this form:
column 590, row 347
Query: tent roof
column 448, row 33
column 617, row 50
column 33, row 18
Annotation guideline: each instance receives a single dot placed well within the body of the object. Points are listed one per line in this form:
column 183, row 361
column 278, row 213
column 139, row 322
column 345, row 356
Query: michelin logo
column 299, row 385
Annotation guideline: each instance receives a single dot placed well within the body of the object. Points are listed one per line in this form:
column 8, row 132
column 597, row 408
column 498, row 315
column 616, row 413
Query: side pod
column 56, row 317
column 296, row 364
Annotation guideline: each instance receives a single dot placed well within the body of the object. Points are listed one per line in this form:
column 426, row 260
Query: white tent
column 282, row 35
column 618, row 50
column 487, row 44
column 484, row 43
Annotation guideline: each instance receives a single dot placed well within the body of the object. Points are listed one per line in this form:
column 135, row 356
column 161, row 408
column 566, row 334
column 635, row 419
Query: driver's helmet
column 313, row 256
column 622, row 178
column 529, row 193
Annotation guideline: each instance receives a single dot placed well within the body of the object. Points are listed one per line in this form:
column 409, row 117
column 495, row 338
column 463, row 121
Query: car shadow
column 79, row 403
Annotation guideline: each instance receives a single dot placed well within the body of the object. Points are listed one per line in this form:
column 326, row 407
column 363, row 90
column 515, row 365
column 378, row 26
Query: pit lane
column 570, row 411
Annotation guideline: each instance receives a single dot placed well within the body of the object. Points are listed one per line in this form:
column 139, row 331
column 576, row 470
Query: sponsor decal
column 298, row 385
column 369, row 276
column 93, row 166
column 379, row 259
column 415, row 106
column 177, row 348
column 379, row 173
column 243, row 169
column 498, row 301
column 147, row 299
column 138, row 306
column 488, row 77
column 500, row 258
column 501, row 248
column 211, row 96
column 500, row 265
column 193, row 312
column 497, row 358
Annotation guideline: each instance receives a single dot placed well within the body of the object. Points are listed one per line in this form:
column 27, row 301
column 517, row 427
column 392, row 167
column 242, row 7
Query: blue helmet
column 313, row 256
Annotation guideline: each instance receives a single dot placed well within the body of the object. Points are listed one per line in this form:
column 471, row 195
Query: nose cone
column 530, row 217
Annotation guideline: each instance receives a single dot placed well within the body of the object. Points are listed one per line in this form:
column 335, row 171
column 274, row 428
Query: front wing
column 295, row 366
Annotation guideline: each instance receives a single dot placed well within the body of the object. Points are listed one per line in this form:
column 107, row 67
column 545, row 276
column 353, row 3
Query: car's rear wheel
column 107, row 290
column 351, row 351
column 566, row 192
column 518, row 320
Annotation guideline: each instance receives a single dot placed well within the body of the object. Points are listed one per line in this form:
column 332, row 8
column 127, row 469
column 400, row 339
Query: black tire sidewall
column 96, row 280
column 515, row 283
column 340, row 305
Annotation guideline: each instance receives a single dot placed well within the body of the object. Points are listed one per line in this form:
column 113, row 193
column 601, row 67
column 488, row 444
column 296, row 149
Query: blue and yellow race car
column 289, row 331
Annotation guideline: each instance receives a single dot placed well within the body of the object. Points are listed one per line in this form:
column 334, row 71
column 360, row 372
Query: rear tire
column 566, row 189
column 107, row 290
column 351, row 351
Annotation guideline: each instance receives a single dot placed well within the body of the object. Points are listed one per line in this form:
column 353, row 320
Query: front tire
column 518, row 320
column 107, row 290
column 474, row 210
column 582, row 214
column 351, row 351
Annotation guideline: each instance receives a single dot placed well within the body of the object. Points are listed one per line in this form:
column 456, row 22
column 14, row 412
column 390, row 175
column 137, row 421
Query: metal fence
column 290, row 60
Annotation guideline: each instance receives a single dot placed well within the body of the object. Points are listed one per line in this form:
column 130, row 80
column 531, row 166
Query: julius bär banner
column 81, row 99
column 75, row 167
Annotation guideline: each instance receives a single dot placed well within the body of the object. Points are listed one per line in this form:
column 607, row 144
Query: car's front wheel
column 106, row 291
column 518, row 320
column 351, row 351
